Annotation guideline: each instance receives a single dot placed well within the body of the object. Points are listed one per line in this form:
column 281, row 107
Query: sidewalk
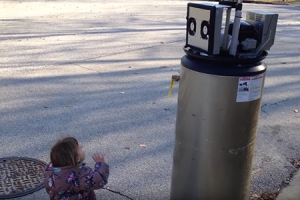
column 100, row 71
column 292, row 192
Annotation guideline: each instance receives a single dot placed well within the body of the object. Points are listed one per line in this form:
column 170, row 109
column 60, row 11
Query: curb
column 291, row 192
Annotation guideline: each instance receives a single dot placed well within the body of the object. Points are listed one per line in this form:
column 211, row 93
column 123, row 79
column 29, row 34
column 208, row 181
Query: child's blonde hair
column 64, row 152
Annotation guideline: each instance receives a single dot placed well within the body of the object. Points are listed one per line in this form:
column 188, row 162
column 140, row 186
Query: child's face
column 81, row 153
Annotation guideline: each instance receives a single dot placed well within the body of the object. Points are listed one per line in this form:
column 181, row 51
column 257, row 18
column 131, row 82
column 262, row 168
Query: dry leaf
column 255, row 197
column 296, row 163
column 176, row 78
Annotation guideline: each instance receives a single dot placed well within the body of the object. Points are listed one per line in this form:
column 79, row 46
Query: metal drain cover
column 20, row 176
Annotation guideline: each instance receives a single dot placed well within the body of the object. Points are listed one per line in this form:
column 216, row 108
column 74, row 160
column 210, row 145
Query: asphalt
column 100, row 71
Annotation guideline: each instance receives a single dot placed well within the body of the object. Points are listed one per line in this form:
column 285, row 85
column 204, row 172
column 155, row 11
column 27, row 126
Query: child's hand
column 98, row 157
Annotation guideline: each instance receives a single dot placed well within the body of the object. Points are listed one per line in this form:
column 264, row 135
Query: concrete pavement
column 292, row 192
column 100, row 71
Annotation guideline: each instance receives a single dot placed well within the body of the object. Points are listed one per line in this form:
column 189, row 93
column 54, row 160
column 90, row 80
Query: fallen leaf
column 143, row 145
column 176, row 78
column 268, row 196
column 255, row 197
column 296, row 163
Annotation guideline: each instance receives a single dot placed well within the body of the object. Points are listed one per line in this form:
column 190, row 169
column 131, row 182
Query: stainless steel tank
column 218, row 110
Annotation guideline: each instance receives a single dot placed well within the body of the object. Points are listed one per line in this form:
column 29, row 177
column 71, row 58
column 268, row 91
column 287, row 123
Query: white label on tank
column 249, row 88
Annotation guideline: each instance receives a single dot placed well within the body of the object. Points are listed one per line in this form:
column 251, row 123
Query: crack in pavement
column 132, row 50
column 121, row 52
column 119, row 193
column 271, row 104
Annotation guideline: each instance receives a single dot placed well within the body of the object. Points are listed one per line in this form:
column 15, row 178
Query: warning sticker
column 249, row 88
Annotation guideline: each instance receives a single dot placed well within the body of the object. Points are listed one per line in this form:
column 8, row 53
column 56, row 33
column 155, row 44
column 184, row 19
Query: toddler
column 68, row 178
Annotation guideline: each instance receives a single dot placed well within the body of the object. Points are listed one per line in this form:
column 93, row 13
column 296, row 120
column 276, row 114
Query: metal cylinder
column 215, row 129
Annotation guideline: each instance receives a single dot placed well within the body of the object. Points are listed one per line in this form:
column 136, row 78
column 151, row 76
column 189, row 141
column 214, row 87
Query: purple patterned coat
column 73, row 183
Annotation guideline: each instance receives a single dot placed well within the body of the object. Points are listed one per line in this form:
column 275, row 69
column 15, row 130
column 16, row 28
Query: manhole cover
column 20, row 176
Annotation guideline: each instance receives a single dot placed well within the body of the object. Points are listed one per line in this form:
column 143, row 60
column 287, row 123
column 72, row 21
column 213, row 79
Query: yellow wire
column 171, row 88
